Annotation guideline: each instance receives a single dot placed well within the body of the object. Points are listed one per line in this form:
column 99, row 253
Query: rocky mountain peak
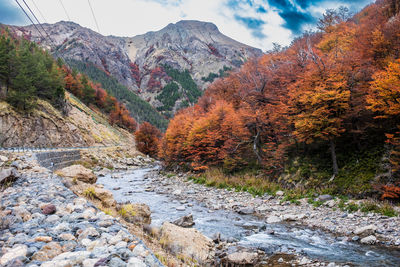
column 138, row 62
column 197, row 25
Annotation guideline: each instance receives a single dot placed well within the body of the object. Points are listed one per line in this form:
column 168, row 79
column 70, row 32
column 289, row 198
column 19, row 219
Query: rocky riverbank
column 43, row 223
column 367, row 228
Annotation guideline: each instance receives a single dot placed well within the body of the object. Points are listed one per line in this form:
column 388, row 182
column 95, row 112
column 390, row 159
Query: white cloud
column 133, row 17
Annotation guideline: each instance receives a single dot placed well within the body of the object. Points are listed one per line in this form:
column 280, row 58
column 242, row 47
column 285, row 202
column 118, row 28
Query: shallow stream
column 248, row 230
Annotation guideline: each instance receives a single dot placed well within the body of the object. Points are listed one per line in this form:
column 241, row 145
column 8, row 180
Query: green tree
column 88, row 91
column 23, row 92
column 7, row 52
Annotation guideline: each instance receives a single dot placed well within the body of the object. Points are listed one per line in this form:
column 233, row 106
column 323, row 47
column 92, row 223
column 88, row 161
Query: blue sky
column 254, row 22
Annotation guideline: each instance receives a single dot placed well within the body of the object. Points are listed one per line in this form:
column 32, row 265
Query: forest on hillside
column 28, row 73
column 323, row 112
column 140, row 109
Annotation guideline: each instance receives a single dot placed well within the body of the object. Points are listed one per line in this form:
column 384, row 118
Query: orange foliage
column 118, row 113
column 390, row 191
column 318, row 91
column 147, row 139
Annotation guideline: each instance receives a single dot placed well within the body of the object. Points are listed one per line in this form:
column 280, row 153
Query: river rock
column 48, row 209
column 242, row 257
column 8, row 175
column 105, row 196
column 185, row 221
column 279, row 193
column 3, row 158
column 180, row 208
column 273, row 219
column 48, row 252
column 135, row 262
column 324, row 198
column 246, row 211
column 23, row 213
column 289, row 217
column 17, row 251
column 366, row 230
column 369, row 240
column 73, row 258
column 78, row 172
column 136, row 213
column 187, row 241
column 45, row 239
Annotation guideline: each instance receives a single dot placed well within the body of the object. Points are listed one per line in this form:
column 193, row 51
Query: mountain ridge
column 137, row 62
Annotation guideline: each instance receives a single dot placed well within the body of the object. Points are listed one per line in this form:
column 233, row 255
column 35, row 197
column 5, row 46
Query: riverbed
column 145, row 186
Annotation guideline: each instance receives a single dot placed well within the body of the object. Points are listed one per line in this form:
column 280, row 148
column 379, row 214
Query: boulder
column 289, row 217
column 185, row 221
column 188, row 242
column 78, row 172
column 324, row 198
column 242, row 257
column 369, row 240
column 48, row 252
column 246, row 211
column 8, row 175
column 279, row 193
column 3, row 158
column 105, row 196
column 48, row 209
column 366, row 230
column 17, row 251
column 138, row 213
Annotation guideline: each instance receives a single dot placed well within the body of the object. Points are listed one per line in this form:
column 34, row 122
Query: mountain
column 182, row 58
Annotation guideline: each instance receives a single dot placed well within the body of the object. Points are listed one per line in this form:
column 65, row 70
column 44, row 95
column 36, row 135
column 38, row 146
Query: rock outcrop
column 188, row 242
column 47, row 127
column 79, row 173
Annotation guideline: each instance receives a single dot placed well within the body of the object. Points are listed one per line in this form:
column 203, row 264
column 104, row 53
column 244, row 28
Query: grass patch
column 387, row 210
column 248, row 182
column 126, row 211
column 90, row 193
column 162, row 259
column 107, row 211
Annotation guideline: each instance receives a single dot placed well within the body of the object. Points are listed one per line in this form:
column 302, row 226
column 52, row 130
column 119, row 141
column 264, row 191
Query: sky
column 258, row 23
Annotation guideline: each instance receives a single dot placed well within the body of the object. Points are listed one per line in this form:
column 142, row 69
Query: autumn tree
column 147, row 139
column 173, row 148
column 384, row 99
column 218, row 138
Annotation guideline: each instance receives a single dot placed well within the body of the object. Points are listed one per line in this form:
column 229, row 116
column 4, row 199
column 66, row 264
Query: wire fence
column 47, row 149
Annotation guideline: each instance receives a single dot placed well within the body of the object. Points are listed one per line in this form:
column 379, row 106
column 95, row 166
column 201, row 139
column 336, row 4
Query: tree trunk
column 256, row 147
column 334, row 161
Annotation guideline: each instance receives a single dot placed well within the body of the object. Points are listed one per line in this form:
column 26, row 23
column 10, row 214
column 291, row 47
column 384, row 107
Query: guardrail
column 47, row 149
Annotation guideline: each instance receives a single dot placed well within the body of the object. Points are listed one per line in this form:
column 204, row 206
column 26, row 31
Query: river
column 248, row 230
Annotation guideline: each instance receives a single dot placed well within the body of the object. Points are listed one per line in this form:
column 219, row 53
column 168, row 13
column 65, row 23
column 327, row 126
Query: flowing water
column 248, row 230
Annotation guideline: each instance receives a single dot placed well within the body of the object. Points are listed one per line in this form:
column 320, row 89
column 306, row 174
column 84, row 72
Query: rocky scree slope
column 48, row 127
column 135, row 62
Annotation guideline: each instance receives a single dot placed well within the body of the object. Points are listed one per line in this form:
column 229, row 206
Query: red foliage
column 147, row 139
column 135, row 73
column 214, row 50
column 105, row 67
column 156, row 75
